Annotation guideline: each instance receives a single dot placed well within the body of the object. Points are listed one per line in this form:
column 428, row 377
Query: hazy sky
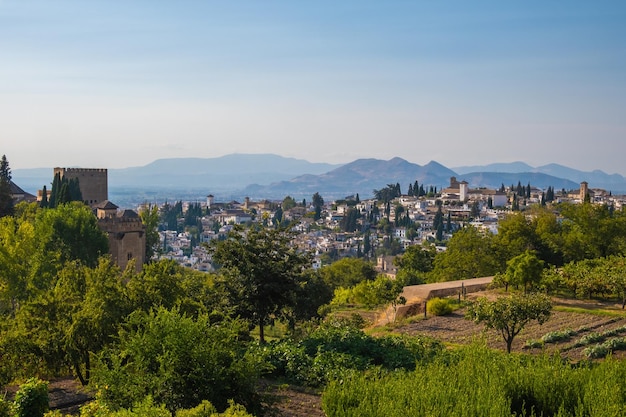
column 120, row 83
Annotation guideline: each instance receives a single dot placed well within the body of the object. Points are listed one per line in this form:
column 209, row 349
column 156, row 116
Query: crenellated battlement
column 81, row 170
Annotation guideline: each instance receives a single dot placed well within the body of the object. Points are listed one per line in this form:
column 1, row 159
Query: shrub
column 618, row 343
column 558, row 336
column 5, row 408
column 179, row 361
column 533, row 344
column 31, row 400
column 596, row 352
column 439, row 306
column 590, row 338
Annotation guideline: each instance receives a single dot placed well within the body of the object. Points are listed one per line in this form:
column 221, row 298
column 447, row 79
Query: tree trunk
column 79, row 373
column 509, row 343
column 261, row 331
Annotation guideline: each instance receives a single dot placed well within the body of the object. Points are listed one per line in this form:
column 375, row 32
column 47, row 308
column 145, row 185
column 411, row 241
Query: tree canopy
column 509, row 315
column 260, row 270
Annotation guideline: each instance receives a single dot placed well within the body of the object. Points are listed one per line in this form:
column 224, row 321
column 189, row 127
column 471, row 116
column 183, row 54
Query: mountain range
column 270, row 176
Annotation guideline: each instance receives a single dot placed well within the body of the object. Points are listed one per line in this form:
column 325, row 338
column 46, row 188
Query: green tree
column 73, row 230
column 524, row 270
column 44, row 198
column 318, row 203
column 260, row 272
column 288, row 203
column 382, row 291
column 150, row 219
column 470, row 253
column 509, row 315
column 6, row 196
column 348, row 272
column 415, row 263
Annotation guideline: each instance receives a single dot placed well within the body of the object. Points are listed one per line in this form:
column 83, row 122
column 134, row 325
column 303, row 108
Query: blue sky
column 122, row 83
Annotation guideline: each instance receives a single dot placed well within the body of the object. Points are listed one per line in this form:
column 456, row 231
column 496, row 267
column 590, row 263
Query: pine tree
column 410, row 191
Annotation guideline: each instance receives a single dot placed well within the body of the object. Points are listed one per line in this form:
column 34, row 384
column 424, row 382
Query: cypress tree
column 44, row 198
column 56, row 188
column 6, row 197
column 64, row 194
column 74, row 190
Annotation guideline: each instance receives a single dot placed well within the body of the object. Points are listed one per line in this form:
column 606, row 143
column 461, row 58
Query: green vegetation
column 475, row 381
column 439, row 306
column 168, row 341
column 509, row 315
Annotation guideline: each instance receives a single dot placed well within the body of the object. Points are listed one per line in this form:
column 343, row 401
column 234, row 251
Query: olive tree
column 509, row 315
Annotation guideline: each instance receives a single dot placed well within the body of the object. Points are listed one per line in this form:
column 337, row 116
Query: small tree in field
column 509, row 315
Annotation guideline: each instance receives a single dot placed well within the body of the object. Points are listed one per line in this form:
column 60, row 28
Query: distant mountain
column 508, row 167
column 361, row 176
column 260, row 176
column 226, row 173
column 596, row 178
column 494, row 180
column 233, row 171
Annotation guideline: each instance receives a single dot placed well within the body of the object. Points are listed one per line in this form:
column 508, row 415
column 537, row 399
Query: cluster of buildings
column 324, row 237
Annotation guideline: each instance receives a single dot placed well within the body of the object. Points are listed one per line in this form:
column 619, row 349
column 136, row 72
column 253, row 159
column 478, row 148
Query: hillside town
column 376, row 229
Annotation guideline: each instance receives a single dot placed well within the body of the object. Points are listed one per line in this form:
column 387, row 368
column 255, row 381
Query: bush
column 596, row 352
column 179, row 361
column 534, row 344
column 5, row 408
column 336, row 347
column 589, row 339
column 558, row 336
column 439, row 306
column 31, row 400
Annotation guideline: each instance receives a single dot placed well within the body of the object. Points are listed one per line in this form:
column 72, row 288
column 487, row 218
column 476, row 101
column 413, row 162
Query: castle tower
column 93, row 182
column 127, row 235
column 209, row 200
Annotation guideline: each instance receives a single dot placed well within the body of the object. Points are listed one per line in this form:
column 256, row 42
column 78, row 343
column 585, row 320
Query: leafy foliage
column 475, row 381
column 179, row 361
column 260, row 272
column 31, row 400
column 337, row 348
column 509, row 315
column 438, row 306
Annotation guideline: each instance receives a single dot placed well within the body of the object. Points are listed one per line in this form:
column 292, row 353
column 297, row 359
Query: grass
column 595, row 311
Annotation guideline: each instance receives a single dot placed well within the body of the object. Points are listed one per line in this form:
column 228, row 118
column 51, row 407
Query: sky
column 118, row 83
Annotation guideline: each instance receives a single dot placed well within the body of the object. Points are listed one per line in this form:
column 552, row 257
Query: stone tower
column 93, row 182
column 127, row 234
column 584, row 189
